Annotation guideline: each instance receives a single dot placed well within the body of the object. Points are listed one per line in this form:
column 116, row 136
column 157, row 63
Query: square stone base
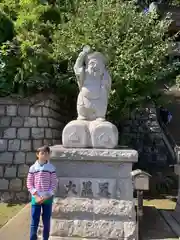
column 94, row 195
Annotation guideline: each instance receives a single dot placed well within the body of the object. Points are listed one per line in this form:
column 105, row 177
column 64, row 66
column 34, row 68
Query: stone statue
column 94, row 84
column 91, row 128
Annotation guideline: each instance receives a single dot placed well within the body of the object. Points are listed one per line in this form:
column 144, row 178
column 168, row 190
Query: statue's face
column 95, row 67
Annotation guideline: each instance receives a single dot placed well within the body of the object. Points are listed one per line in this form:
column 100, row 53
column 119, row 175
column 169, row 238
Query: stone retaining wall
column 26, row 125
column 143, row 133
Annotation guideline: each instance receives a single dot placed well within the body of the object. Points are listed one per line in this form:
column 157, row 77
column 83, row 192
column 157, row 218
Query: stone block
column 96, row 208
column 26, row 145
column 36, row 111
column 10, row 133
column 23, row 133
column 11, row 110
column 5, row 121
column 3, row 145
column 104, row 188
column 15, row 184
column 2, row 110
column 24, row 184
column 22, row 196
column 23, row 110
column 19, row 158
column 88, row 229
column 130, row 230
column 56, row 134
column 123, row 156
column 47, row 142
column 14, row 145
column 40, row 103
column 42, row 122
column 54, row 123
column 23, row 170
column 37, row 133
column 48, row 133
column 46, row 112
column 37, row 144
column 30, row 122
column 7, row 197
column 4, row 184
column 30, row 157
column 6, row 158
column 1, row 171
column 17, row 122
column 10, row 172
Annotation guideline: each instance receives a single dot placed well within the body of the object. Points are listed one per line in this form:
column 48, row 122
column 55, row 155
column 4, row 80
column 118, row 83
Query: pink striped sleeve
column 30, row 183
column 54, row 182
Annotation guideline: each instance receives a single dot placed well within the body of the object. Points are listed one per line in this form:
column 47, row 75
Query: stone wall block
column 23, row 170
column 5, row 121
column 37, row 133
column 26, row 145
column 48, row 133
column 7, row 196
column 46, row 111
column 47, row 142
column 23, row 111
column 3, row 145
column 1, row 171
column 4, row 184
column 10, row 172
column 54, row 123
column 37, row 144
column 56, row 134
column 30, row 122
column 23, row 133
column 19, row 158
column 6, row 158
column 30, row 158
column 36, row 111
column 22, row 196
column 42, row 122
column 17, row 121
column 11, row 110
column 2, row 110
column 15, row 184
column 14, row 145
column 10, row 133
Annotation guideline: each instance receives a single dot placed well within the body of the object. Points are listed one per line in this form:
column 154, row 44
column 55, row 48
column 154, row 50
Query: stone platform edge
column 58, row 152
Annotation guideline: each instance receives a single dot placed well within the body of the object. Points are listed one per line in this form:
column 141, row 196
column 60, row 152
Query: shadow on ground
column 154, row 227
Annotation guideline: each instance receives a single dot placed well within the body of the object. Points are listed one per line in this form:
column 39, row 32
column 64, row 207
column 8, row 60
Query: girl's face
column 43, row 156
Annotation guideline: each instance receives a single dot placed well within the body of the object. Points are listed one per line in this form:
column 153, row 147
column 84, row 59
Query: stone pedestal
column 95, row 194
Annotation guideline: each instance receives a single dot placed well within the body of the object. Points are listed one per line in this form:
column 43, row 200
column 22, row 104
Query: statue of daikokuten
column 94, row 84
column 91, row 128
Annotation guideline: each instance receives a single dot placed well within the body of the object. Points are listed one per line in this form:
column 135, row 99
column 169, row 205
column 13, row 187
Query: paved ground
column 18, row 227
column 154, row 228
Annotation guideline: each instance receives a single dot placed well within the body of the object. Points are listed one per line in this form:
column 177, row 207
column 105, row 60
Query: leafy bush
column 48, row 39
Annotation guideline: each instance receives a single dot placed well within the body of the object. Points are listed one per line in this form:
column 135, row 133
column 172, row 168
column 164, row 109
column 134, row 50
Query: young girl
column 41, row 183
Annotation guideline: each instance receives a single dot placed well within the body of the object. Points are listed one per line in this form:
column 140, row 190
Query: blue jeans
column 35, row 217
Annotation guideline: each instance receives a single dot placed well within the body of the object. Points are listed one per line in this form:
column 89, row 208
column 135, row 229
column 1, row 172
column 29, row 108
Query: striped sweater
column 42, row 180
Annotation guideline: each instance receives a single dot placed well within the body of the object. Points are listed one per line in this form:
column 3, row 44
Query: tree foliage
column 47, row 39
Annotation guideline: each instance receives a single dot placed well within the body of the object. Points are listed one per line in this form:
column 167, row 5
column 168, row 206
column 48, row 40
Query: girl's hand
column 38, row 199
